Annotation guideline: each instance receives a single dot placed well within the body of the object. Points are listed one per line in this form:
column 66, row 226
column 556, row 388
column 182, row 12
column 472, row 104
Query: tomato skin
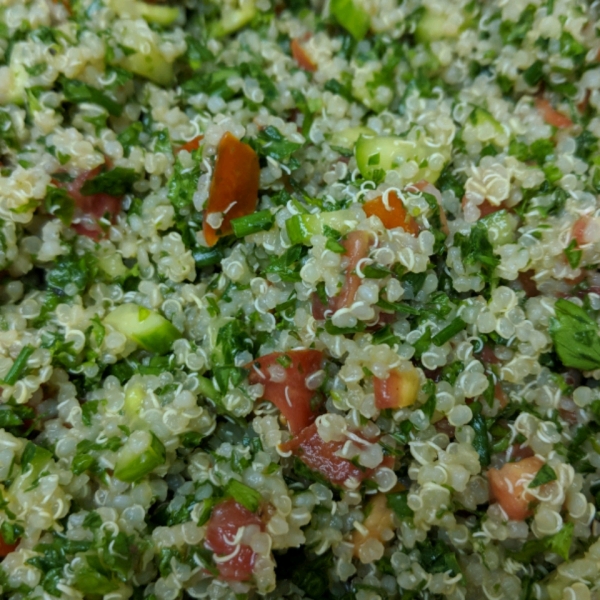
column 357, row 247
column 301, row 56
column 233, row 188
column 551, row 115
column 192, row 144
column 88, row 209
column 485, row 208
column 299, row 410
column 226, row 519
column 396, row 216
column 398, row 390
column 6, row 549
column 319, row 455
column 508, row 486
column 528, row 284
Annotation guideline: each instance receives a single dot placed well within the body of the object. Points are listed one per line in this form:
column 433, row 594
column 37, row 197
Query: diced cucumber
column 483, row 118
column 501, row 227
column 161, row 15
column 152, row 66
column 232, row 20
column 346, row 138
column 351, row 16
column 134, row 397
column 301, row 228
column 383, row 153
column 142, row 453
column 146, row 328
column 432, row 26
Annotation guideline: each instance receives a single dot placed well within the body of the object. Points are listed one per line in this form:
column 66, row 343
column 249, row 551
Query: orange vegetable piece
column 509, row 484
column 399, row 390
column 395, row 216
column 234, row 186
column 379, row 523
column 357, row 247
column 192, row 144
column 301, row 56
column 551, row 115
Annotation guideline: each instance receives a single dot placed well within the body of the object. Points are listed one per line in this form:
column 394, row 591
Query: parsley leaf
column 575, row 336
column 544, row 475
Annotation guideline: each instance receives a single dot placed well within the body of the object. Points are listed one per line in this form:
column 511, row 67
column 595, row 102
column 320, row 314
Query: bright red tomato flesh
column 225, row 521
column 283, row 375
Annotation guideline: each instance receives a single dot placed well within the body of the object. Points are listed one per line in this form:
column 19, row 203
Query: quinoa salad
column 300, row 299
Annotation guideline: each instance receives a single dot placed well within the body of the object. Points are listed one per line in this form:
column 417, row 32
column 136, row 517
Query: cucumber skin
column 131, row 467
column 152, row 332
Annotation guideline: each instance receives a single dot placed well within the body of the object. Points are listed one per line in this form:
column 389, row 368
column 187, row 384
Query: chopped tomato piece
column 357, row 247
column 398, row 390
column 6, row 549
column 318, row 308
column 192, row 144
column 391, row 215
column 508, row 486
column 519, row 452
column 551, row 115
column 320, row 456
column 378, row 525
column 488, row 356
column 283, row 375
column 500, row 394
column 586, row 230
column 301, row 56
column 233, row 190
column 225, row 521
column 485, row 208
column 89, row 209
column 528, row 283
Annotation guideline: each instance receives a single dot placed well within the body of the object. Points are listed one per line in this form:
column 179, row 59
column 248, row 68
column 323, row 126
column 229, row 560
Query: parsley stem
column 19, row 366
column 456, row 326
column 259, row 221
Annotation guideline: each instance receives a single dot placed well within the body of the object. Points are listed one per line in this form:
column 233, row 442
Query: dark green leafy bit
column 79, row 271
column 243, row 494
column 271, row 143
column 575, row 336
column 59, row 204
column 399, row 504
column 476, row 249
column 559, row 543
column 259, row 221
column 13, row 418
column 573, row 254
column 288, row 265
column 446, row 334
column 544, row 475
column 182, row 185
column 77, row 92
column 481, row 441
column 438, row 557
column 116, row 182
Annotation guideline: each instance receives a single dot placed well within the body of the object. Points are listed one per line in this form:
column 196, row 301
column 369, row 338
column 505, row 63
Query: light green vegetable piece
column 152, row 13
column 501, row 227
column 301, row 228
column 352, row 17
column 232, row 20
column 575, row 336
column 146, row 328
column 142, row 453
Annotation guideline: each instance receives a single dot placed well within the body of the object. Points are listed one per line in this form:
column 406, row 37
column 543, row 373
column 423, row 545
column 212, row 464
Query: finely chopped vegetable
column 299, row 299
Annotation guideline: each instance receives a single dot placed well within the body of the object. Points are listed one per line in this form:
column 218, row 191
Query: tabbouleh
column 300, row 299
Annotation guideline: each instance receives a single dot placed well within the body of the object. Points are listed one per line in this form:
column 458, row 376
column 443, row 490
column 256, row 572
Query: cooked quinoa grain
column 299, row 300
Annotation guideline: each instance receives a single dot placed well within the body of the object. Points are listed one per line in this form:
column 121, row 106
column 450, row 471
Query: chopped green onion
column 396, row 307
column 335, row 247
column 456, row 326
column 385, row 336
column 259, row 221
column 333, row 330
column 205, row 257
column 297, row 230
column 19, row 366
column 375, row 272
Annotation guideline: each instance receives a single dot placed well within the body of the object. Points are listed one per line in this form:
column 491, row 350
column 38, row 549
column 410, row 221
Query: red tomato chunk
column 284, row 375
column 223, row 526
